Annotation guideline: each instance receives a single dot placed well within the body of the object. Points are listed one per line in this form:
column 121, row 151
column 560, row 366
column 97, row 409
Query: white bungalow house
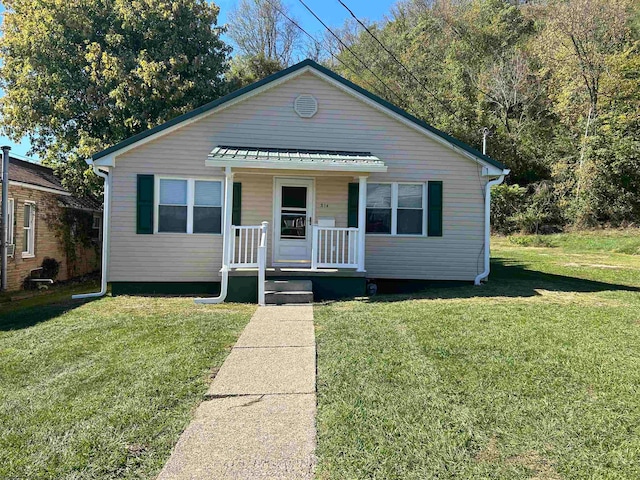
column 302, row 175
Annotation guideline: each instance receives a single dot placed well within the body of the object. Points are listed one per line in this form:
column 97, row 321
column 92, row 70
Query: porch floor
column 297, row 272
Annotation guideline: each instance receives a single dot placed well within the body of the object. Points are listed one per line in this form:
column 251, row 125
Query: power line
column 317, row 42
column 351, row 51
column 393, row 56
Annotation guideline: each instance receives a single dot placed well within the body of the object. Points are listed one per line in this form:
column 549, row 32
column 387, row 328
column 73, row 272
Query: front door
column 292, row 223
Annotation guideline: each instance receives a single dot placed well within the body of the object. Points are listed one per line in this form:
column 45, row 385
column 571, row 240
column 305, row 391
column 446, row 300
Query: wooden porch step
column 288, row 286
column 287, row 297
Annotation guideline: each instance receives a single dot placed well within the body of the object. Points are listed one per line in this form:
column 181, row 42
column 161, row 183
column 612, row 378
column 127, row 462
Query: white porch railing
column 334, row 247
column 249, row 250
column 244, row 250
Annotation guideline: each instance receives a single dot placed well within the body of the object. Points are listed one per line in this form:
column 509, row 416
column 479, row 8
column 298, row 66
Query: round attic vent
column 305, row 105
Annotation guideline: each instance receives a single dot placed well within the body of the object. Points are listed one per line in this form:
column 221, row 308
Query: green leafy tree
column 470, row 68
column 80, row 76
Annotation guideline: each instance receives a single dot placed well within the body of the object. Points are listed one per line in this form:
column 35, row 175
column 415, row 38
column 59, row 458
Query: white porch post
column 227, row 238
column 314, row 247
column 362, row 219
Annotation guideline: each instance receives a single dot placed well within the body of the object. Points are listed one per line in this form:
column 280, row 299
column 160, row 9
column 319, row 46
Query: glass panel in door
column 293, row 213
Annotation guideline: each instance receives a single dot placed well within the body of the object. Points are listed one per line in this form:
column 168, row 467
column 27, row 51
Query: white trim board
column 38, row 187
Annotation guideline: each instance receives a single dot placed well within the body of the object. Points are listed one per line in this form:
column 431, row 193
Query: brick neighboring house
column 38, row 205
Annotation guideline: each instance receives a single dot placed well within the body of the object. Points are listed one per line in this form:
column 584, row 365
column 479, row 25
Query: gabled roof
column 454, row 142
column 38, row 176
column 33, row 174
column 287, row 158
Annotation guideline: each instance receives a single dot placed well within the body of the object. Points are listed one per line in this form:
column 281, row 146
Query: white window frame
column 394, row 210
column 11, row 204
column 191, row 190
column 97, row 221
column 31, row 252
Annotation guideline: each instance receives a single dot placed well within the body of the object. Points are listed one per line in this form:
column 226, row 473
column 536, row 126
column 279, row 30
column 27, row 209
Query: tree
column 245, row 70
column 576, row 44
column 260, row 30
column 80, row 76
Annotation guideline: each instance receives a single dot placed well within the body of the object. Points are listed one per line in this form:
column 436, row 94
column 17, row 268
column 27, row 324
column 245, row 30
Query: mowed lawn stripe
column 534, row 375
column 103, row 389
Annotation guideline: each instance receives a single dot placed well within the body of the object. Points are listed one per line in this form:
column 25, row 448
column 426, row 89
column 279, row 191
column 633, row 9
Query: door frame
column 278, row 182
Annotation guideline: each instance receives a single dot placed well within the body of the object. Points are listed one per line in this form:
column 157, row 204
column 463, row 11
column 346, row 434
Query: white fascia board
column 38, row 187
column 110, row 160
column 401, row 119
column 289, row 165
column 491, row 171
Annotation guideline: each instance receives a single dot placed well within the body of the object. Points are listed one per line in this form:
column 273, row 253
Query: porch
column 294, row 214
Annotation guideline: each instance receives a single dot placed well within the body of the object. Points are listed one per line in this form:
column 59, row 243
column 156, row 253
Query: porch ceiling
column 294, row 159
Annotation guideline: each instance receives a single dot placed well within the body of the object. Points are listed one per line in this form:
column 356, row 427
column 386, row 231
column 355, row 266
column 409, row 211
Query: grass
column 534, row 375
column 103, row 389
column 53, row 294
column 616, row 241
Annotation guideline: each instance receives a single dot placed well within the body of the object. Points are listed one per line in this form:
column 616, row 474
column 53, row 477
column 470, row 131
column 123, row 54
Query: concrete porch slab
column 277, row 334
column 274, row 370
column 247, row 437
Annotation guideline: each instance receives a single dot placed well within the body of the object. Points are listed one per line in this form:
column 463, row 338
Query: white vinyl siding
column 341, row 123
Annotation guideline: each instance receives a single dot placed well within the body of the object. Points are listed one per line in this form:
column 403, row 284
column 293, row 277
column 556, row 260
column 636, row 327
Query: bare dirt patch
column 490, row 453
column 542, row 468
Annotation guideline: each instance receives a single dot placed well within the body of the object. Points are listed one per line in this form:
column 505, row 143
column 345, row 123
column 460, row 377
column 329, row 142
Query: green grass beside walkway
column 534, row 375
column 103, row 389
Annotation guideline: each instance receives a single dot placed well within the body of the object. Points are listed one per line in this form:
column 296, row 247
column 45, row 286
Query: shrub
column 50, row 268
column 506, row 202
column 541, row 212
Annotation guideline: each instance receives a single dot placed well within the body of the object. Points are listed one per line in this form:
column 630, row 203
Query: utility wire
column 351, row 51
column 393, row 56
column 318, row 43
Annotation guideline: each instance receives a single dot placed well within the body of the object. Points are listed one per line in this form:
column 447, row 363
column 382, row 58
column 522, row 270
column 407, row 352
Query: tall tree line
column 557, row 82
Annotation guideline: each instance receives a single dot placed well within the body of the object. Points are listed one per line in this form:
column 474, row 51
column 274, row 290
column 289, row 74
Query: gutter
column 227, row 242
column 487, row 227
column 106, row 212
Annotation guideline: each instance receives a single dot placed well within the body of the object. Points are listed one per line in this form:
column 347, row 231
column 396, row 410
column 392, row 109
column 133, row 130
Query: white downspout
column 487, row 227
column 226, row 241
column 106, row 213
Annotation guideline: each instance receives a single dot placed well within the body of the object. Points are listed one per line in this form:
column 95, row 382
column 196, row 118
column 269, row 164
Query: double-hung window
column 189, row 206
column 396, row 208
column 207, row 207
column 173, row 207
column 29, row 230
column 379, row 209
column 410, row 216
column 10, row 222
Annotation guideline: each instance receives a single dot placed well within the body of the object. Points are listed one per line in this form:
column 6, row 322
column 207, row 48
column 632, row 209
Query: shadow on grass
column 16, row 319
column 507, row 279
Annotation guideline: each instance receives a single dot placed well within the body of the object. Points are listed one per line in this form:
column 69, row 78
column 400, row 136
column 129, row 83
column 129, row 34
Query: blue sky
column 330, row 11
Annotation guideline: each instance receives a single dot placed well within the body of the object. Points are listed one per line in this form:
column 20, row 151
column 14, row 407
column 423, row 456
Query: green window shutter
column 236, row 205
column 352, row 217
column 435, row 209
column 144, row 216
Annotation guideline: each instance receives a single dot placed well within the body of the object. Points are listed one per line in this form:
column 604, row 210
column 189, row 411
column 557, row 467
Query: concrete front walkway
column 258, row 420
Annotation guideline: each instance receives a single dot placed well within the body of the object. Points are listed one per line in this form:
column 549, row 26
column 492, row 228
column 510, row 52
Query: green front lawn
column 534, row 375
column 103, row 389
